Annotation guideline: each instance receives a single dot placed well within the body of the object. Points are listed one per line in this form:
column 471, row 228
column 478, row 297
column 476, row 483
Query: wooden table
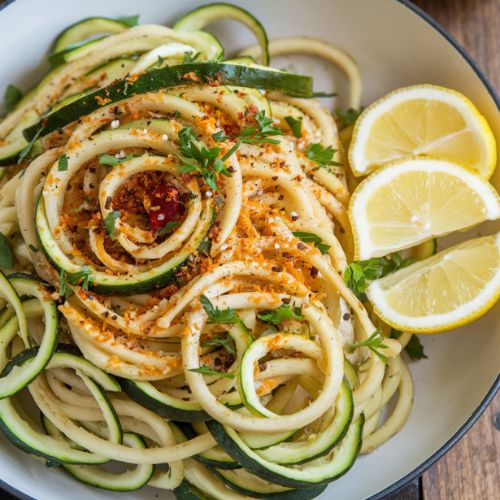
column 471, row 470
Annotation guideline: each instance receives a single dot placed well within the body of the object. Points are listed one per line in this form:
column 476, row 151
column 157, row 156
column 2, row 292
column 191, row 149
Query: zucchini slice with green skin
column 130, row 480
column 188, row 491
column 200, row 17
column 86, row 28
column 22, row 435
column 172, row 76
column 147, row 395
column 326, row 469
column 248, row 484
column 198, row 480
column 214, row 457
column 16, row 376
column 298, row 452
column 72, row 52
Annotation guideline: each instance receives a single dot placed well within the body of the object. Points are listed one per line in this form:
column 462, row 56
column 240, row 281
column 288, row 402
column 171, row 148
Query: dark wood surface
column 471, row 470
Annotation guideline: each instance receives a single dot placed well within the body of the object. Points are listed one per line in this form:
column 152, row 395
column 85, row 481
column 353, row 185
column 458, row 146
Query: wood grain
column 471, row 470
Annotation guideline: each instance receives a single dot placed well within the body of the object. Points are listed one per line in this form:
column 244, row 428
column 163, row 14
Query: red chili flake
column 276, row 269
column 314, row 272
column 165, row 205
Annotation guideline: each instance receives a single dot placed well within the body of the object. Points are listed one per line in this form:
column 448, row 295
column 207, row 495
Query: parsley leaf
column 6, row 256
column 110, row 222
column 196, row 157
column 11, row 97
column 113, row 161
column 62, row 164
column 205, row 246
column 168, row 227
column 159, row 62
column 217, row 316
column 190, row 57
column 396, row 334
column 348, row 117
column 260, row 133
column 374, row 342
column 322, row 156
column 220, row 136
column 205, row 370
column 84, row 273
column 282, row 313
column 295, row 124
column 63, row 280
column 312, row 238
column 358, row 274
column 415, row 349
column 130, row 21
column 227, row 343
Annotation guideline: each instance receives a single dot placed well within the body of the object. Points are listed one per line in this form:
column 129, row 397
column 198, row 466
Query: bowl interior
column 393, row 47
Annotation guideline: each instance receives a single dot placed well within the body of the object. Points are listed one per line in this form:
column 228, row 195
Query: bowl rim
column 459, row 434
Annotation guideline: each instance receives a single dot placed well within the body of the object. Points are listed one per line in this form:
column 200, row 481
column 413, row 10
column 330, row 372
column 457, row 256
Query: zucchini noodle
column 194, row 247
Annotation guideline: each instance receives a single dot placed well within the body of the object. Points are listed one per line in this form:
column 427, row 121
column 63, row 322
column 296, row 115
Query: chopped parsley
column 113, row 161
column 358, row 274
column 415, row 349
column 221, row 316
column 190, row 57
column 6, row 255
column 282, row 313
column 227, row 343
column 11, row 97
column 110, row 222
column 295, row 124
column 374, row 342
column 196, row 157
column 312, row 238
column 261, row 132
column 321, row 155
column 62, row 164
column 348, row 117
column 168, row 227
column 205, row 370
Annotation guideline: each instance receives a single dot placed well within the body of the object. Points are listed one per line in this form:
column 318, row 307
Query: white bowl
column 395, row 44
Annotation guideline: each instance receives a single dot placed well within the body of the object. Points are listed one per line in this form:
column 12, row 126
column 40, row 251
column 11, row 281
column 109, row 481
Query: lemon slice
column 414, row 200
column 422, row 120
column 445, row 291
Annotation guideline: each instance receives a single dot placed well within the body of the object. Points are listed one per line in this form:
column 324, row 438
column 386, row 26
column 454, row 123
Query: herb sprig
column 113, row 161
column 282, row 313
column 374, row 342
column 227, row 343
column 221, row 316
column 261, row 132
column 312, row 238
column 196, row 157
column 322, row 156
column 110, row 222
column 415, row 349
column 358, row 274
column 347, row 117
column 295, row 125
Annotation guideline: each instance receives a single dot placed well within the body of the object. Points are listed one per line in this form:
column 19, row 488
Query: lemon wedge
column 414, row 200
column 422, row 120
column 447, row 290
